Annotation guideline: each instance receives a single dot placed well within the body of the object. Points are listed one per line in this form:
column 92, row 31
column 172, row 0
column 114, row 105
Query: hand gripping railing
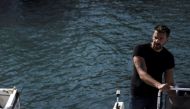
column 171, row 88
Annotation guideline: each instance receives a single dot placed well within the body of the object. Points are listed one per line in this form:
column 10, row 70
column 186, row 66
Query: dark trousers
column 143, row 102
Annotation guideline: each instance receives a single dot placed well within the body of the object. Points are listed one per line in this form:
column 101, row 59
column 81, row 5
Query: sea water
column 74, row 54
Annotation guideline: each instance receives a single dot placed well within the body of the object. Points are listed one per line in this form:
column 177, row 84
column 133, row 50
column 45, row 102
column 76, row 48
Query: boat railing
column 180, row 100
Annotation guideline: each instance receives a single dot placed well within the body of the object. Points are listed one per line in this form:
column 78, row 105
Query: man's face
column 158, row 40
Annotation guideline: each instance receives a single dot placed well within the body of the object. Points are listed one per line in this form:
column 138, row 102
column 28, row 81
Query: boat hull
column 9, row 98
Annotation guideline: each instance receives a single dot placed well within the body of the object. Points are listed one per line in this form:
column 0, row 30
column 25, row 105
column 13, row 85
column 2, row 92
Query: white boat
column 9, row 98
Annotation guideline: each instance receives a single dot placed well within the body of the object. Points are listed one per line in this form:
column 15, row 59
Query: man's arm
column 144, row 76
column 169, row 80
column 169, row 77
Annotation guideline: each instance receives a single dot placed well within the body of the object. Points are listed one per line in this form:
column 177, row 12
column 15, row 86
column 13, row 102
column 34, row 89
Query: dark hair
column 162, row 29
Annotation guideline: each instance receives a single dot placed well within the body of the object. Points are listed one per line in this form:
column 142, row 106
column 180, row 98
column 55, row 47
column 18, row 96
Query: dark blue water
column 74, row 54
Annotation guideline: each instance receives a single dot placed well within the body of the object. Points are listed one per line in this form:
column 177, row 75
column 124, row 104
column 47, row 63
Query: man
column 151, row 61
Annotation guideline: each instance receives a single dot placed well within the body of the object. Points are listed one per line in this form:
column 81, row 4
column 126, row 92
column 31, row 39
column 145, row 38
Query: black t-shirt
column 157, row 63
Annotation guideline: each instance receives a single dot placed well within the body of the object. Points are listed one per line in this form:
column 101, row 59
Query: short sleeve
column 138, row 51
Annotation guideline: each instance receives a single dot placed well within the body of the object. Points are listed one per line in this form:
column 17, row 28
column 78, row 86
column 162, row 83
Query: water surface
column 74, row 54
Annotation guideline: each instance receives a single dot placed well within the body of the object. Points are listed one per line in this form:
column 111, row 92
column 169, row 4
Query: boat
column 181, row 99
column 9, row 98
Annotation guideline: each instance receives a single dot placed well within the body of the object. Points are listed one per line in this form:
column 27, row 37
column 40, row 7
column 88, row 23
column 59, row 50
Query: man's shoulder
column 141, row 50
column 167, row 51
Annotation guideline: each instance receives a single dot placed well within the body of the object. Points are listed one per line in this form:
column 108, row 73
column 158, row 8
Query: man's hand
column 164, row 87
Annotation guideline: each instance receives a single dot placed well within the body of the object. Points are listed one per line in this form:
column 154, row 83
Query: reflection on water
column 74, row 54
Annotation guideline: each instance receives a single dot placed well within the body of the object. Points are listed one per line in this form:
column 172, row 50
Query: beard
column 156, row 46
